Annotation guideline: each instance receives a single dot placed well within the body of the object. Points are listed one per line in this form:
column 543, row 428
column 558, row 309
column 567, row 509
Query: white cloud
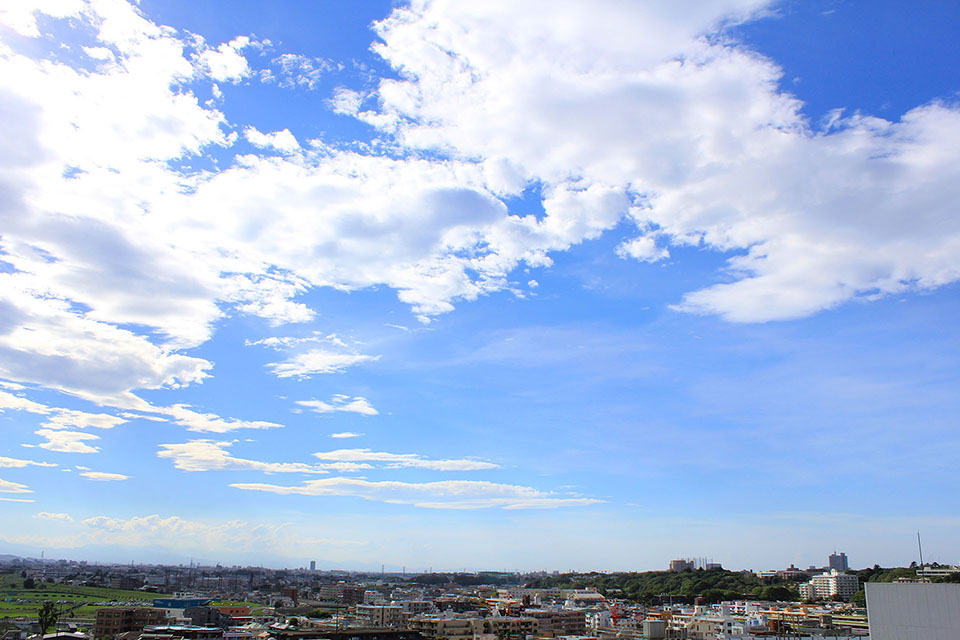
column 209, row 422
column 346, row 434
column 688, row 137
column 67, row 441
column 59, row 418
column 341, row 402
column 63, row 517
column 449, row 494
column 121, row 261
column 16, row 500
column 13, row 487
column 21, row 16
column 103, row 476
column 280, row 140
column 300, row 71
column 317, row 361
column 207, row 455
column 226, row 63
column 68, row 418
column 399, row 460
column 17, row 403
column 16, row 463
column 643, row 248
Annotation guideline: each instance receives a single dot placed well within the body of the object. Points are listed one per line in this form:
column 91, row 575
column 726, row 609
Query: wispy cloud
column 17, row 463
column 207, row 455
column 399, row 460
column 102, row 476
column 448, row 494
column 346, row 434
column 13, row 487
column 317, row 361
column 209, row 422
column 341, row 402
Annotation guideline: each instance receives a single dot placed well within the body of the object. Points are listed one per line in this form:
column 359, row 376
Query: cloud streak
column 446, row 494
column 341, row 402
column 401, row 460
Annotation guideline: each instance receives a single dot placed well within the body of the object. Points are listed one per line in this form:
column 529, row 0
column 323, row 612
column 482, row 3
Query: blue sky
column 495, row 286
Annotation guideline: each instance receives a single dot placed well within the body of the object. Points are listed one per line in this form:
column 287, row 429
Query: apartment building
column 449, row 626
column 830, row 584
column 380, row 615
column 511, row 627
column 555, row 622
column 110, row 622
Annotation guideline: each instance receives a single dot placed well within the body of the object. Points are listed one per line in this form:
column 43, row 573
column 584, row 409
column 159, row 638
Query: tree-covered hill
column 713, row 585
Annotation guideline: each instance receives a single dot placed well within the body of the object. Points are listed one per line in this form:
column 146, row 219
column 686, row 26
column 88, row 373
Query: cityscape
column 479, row 319
column 692, row 599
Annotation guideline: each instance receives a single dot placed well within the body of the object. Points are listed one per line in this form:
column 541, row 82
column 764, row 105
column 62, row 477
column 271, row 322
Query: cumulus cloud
column 399, row 460
column 21, row 17
column 643, row 248
column 689, row 136
column 226, row 63
column 341, row 402
column 280, row 140
column 448, row 494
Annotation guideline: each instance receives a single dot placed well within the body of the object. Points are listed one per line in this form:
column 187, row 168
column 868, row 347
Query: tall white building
column 830, row 584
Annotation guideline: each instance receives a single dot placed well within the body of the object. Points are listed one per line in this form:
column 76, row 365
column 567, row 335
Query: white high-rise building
column 832, row 584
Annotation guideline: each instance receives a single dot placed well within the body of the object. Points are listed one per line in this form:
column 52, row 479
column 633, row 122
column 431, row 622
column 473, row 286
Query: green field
column 15, row 601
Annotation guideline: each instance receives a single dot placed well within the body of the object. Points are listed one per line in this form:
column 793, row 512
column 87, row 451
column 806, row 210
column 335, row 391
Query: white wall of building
column 912, row 611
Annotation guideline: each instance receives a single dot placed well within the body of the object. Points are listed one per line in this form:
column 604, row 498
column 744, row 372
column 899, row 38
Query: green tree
column 859, row 599
column 29, row 583
column 777, row 593
column 46, row 616
column 712, row 596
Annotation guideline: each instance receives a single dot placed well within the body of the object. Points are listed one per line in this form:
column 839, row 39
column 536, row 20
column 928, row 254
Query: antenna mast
column 923, row 573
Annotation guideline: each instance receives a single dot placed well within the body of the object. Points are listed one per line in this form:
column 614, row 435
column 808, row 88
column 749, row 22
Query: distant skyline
column 522, row 285
column 372, row 568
